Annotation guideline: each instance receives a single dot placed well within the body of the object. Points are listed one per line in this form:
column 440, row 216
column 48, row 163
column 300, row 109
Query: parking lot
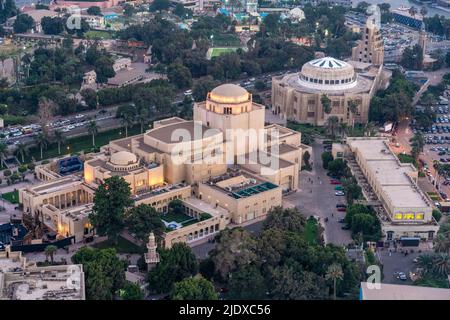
column 437, row 142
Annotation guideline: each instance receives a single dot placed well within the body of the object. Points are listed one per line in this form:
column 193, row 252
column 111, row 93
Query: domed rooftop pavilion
column 229, row 93
column 123, row 161
column 328, row 74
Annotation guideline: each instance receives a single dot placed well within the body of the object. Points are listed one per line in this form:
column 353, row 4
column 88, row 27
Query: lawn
column 225, row 40
column 305, row 128
column 406, row 158
column 95, row 34
column 434, row 196
column 218, row 51
column 83, row 143
column 177, row 217
column 12, row 197
column 123, row 246
column 311, row 231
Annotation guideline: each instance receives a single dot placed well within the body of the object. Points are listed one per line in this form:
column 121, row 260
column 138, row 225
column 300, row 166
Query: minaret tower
column 151, row 257
column 423, row 38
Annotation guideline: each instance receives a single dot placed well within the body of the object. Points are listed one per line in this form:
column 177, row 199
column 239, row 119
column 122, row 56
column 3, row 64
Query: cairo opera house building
column 215, row 175
column 297, row 96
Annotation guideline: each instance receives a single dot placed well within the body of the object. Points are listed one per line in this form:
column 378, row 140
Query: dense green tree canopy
column 23, row 23
column 197, row 288
column 142, row 220
column 104, row 272
column 177, row 263
column 110, row 201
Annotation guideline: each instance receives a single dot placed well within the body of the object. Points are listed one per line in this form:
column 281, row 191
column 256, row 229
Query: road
column 318, row 199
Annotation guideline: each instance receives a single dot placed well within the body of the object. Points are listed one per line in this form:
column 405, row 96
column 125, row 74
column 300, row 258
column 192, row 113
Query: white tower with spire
column 151, row 257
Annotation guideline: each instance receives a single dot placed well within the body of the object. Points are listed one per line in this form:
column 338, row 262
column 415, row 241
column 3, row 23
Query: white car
column 188, row 92
column 79, row 116
column 71, row 127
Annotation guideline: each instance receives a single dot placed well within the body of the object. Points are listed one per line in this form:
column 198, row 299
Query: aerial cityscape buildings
column 224, row 150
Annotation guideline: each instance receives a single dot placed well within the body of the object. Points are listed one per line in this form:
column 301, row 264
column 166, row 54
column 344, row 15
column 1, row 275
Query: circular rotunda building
column 298, row 96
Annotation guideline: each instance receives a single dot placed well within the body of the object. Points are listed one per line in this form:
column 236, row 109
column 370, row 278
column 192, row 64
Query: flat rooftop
column 45, row 283
column 194, row 128
column 240, row 184
column 54, row 185
column 206, row 207
column 390, row 173
column 403, row 292
column 160, row 190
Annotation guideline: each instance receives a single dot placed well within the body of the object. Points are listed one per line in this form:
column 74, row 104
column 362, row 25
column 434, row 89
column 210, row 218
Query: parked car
column 334, row 181
column 341, row 220
column 346, row 227
column 339, row 193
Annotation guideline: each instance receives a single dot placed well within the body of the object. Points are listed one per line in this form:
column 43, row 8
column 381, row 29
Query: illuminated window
column 419, row 216
column 398, row 216
column 408, row 216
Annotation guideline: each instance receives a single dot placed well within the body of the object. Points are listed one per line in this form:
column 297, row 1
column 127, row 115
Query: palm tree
column 143, row 118
column 3, row 152
column 441, row 264
column 127, row 120
column 42, row 142
column 326, row 103
column 334, row 272
column 22, row 150
column 425, row 262
column 93, row 129
column 50, row 251
column 369, row 129
column 332, row 124
column 353, row 108
column 60, row 139
column 423, row 11
column 413, row 11
column 417, row 143
column 441, row 244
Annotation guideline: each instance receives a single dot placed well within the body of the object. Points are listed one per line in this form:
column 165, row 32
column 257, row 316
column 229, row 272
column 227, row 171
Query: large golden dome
column 229, row 93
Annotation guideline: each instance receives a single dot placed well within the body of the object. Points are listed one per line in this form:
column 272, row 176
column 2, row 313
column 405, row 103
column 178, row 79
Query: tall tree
column 92, row 129
column 3, row 153
column 59, row 138
column 247, row 284
column 332, row 125
column 50, row 251
column 334, row 273
column 127, row 119
column 22, row 150
column 142, row 220
column 234, row 250
column 103, row 271
column 110, row 201
column 197, row 288
column 177, row 263
column 326, row 103
column 42, row 142
column 353, row 108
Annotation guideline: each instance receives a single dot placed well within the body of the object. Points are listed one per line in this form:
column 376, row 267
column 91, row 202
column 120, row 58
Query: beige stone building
column 225, row 165
column 406, row 211
column 23, row 280
column 370, row 49
column 297, row 96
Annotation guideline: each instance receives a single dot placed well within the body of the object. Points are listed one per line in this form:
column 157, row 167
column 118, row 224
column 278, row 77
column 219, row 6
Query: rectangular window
column 408, row 216
column 419, row 216
column 398, row 216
